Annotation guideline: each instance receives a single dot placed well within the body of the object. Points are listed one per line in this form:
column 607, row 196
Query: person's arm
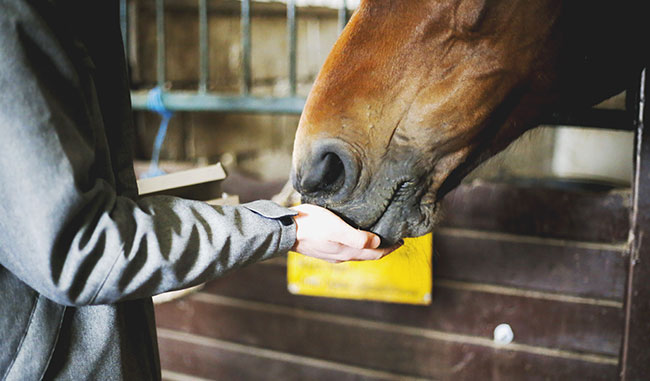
column 63, row 229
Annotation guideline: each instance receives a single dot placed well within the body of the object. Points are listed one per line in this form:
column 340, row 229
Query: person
column 80, row 254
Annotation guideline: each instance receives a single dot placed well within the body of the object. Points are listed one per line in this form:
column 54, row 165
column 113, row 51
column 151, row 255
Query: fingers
column 349, row 236
column 358, row 239
column 335, row 229
column 322, row 234
column 374, row 254
column 346, row 253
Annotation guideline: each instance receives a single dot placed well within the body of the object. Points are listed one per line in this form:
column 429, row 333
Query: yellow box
column 403, row 276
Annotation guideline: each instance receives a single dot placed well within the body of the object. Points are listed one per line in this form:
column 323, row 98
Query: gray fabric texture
column 80, row 253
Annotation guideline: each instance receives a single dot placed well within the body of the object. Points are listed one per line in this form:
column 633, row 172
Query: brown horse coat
column 417, row 93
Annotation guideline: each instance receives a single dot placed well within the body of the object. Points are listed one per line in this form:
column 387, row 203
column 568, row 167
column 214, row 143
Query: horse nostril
column 326, row 174
column 329, row 170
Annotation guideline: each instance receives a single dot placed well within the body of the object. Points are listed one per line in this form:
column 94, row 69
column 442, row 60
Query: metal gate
column 202, row 99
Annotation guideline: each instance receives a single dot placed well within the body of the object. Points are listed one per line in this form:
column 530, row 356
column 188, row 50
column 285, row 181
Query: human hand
column 322, row 234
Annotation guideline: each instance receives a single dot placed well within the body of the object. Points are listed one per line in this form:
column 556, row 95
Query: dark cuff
column 284, row 216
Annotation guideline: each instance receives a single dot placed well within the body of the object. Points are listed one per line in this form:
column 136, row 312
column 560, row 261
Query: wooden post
column 635, row 354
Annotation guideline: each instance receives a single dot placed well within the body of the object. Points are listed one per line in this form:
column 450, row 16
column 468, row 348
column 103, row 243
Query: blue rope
column 155, row 103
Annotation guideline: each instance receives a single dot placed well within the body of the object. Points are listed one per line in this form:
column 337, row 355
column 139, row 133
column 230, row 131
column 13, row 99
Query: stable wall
column 549, row 261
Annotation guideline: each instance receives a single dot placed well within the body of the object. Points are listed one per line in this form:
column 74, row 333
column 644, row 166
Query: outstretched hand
column 322, row 234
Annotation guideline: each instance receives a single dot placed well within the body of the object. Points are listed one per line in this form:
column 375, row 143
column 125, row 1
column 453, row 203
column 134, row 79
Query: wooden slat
column 183, row 179
column 596, row 271
column 548, row 323
column 414, row 352
column 168, row 375
column 539, row 211
column 195, row 356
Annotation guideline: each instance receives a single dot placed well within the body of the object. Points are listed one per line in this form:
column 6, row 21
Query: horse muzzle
column 386, row 203
column 328, row 173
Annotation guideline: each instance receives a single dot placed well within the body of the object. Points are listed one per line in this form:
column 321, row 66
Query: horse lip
column 403, row 189
column 382, row 229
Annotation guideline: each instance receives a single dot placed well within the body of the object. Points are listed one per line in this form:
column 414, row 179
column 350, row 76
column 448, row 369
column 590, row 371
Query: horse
column 415, row 94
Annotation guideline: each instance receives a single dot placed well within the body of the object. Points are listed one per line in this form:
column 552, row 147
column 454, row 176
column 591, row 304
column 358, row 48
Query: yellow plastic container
column 403, row 276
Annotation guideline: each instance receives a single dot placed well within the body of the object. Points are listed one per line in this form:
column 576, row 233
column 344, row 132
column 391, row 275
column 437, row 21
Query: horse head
column 413, row 96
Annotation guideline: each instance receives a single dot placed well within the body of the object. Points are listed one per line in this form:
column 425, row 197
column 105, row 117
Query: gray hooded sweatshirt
column 80, row 253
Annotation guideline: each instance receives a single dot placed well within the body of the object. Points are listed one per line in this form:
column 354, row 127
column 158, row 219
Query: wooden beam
column 197, row 184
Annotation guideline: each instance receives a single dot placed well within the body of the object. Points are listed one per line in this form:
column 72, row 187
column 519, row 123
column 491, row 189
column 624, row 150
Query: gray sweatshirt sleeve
column 64, row 230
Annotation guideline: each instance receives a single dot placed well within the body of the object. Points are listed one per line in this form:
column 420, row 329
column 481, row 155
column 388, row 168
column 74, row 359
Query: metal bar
column 246, row 45
column 124, row 27
column 343, row 15
column 292, row 41
column 204, row 63
column 635, row 356
column 184, row 100
column 192, row 101
column 160, row 42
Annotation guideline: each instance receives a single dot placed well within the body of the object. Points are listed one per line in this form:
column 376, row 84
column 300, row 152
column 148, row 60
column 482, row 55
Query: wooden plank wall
column 549, row 262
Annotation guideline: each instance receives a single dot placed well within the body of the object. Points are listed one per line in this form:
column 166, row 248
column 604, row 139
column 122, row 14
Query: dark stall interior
column 535, row 239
